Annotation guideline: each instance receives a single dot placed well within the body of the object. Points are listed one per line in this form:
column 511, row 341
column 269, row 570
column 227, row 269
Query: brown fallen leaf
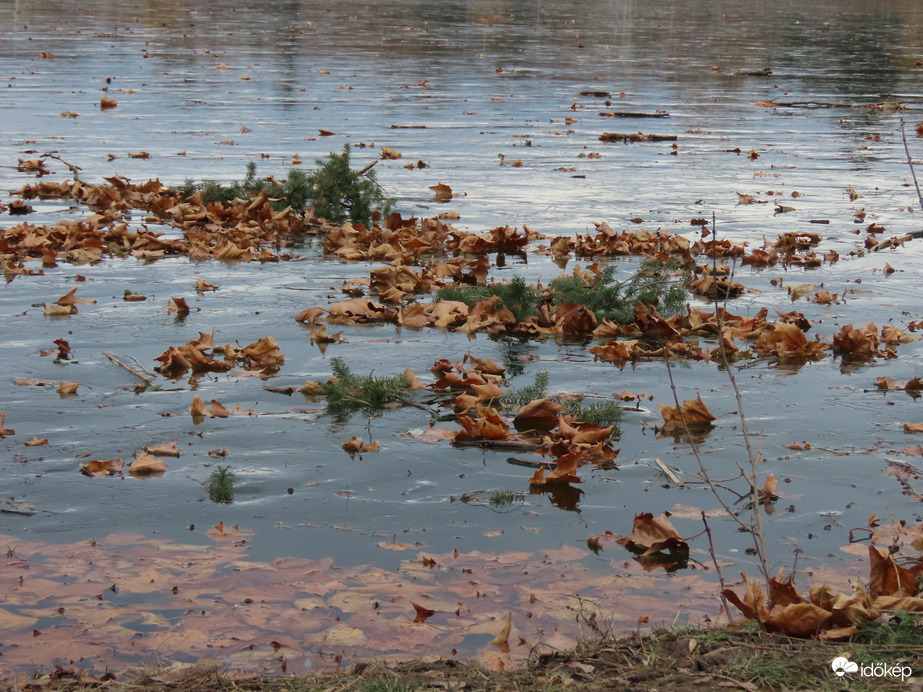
column 356, row 445
column 441, row 192
column 197, row 408
column 178, row 305
column 693, row 411
column 421, row 613
column 31, row 382
column 67, row 388
column 541, row 412
column 309, row 315
column 5, row 431
column 201, row 286
column 99, row 469
column 36, row 442
column 55, row 309
column 70, row 298
column 501, row 641
column 167, row 449
column 146, row 465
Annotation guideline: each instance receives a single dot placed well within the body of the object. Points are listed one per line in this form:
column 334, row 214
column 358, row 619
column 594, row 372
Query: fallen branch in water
column 147, row 380
column 894, row 242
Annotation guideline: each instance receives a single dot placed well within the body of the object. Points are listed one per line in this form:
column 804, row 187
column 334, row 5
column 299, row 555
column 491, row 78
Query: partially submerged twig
column 893, row 242
column 910, row 163
column 147, row 380
column 74, row 169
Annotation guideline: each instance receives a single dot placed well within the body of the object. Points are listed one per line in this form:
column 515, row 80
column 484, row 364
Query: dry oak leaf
column 787, row 339
column 693, row 411
column 67, row 388
column 411, row 377
column 309, row 315
column 583, row 433
column 887, row 578
column 913, row 427
column 70, row 298
column 653, row 534
column 201, row 286
column 422, row 613
column 99, row 469
column 441, row 192
column 165, row 450
column 487, row 426
column 178, row 305
column 615, row 351
column 197, row 408
column 55, row 309
column 146, row 465
column 311, row 388
column 862, row 341
column 319, row 335
column 891, row 335
column 36, row 442
column 356, row 445
column 486, row 366
column 542, row 412
column 565, row 470
column 487, row 392
column 5, row 431
column 359, row 310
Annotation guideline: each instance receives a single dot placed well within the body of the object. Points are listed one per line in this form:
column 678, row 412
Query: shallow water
column 206, row 87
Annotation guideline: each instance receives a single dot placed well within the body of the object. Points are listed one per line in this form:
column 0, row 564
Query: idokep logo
column 843, row 666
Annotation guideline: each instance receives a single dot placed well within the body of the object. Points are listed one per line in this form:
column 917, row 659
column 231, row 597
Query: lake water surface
column 469, row 89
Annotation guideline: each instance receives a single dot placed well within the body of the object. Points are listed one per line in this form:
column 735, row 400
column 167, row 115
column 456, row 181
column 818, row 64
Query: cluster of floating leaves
column 894, row 585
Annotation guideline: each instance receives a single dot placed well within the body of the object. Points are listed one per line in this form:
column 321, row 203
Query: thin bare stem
column 757, row 530
column 714, row 559
column 910, row 163
column 695, row 451
column 147, row 380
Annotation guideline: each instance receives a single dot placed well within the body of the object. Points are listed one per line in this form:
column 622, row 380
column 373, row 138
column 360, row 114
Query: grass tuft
column 338, row 193
column 221, row 485
column 348, row 393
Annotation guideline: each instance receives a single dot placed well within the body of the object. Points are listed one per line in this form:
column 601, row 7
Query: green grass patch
column 655, row 284
column 598, row 413
column 518, row 296
column 337, row 192
column 220, row 485
column 523, row 395
column 348, row 393
column 504, row 498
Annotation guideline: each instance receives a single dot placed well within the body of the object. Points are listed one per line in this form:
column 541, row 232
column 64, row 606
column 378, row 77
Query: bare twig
column 894, row 242
column 147, row 380
column 910, row 163
column 714, row 559
column 757, row 530
column 74, row 169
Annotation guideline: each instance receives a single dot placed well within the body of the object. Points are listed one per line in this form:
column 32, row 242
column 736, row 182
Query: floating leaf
column 693, row 411
column 5, row 431
column 146, row 465
column 356, row 445
column 98, row 468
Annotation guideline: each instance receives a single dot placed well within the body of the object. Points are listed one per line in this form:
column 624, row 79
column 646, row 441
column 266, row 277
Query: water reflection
column 561, row 495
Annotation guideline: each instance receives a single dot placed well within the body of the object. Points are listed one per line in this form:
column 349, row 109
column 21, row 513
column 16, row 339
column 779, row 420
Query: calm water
column 205, row 88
